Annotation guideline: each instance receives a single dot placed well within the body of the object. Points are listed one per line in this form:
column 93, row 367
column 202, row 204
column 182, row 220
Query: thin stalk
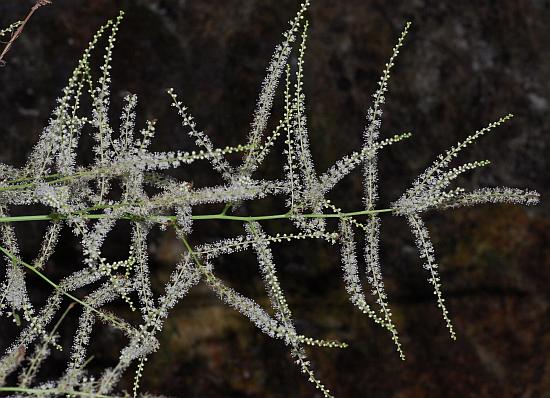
column 56, row 286
column 198, row 217
column 19, row 31
column 58, row 323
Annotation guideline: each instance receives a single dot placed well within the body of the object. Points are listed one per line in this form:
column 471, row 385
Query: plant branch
column 198, row 217
column 16, row 259
column 19, row 31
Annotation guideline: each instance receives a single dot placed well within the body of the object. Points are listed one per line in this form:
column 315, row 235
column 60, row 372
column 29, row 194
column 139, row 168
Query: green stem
column 56, row 286
column 226, row 208
column 198, row 217
column 58, row 323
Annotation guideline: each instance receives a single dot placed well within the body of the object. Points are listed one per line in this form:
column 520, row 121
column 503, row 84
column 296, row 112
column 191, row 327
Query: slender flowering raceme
column 126, row 183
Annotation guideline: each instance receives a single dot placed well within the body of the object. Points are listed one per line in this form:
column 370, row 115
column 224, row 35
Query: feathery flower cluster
column 82, row 199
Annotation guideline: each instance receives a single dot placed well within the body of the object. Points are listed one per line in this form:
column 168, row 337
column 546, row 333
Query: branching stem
column 17, row 33
column 198, row 217
column 16, row 259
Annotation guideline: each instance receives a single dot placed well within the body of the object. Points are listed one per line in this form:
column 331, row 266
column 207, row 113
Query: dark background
column 464, row 64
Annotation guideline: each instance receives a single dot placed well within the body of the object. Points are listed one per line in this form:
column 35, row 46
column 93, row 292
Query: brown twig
column 17, row 33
